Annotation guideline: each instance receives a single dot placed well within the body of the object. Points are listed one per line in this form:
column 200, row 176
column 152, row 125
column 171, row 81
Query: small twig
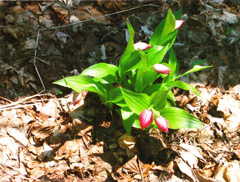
column 7, row 26
column 115, row 13
column 45, row 62
column 16, row 107
column 237, row 61
column 5, row 99
column 200, row 131
column 34, row 61
column 23, row 100
column 27, row 103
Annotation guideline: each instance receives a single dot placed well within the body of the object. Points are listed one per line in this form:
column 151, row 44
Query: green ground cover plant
column 140, row 87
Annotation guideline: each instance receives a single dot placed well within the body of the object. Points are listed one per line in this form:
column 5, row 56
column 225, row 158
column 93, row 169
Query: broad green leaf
column 156, row 57
column 179, row 118
column 128, row 117
column 185, row 86
column 171, row 97
column 79, row 83
column 159, row 98
column 178, row 14
column 121, row 103
column 173, row 64
column 61, row 83
column 133, row 61
column 194, row 69
column 149, row 77
column 130, row 45
column 136, row 123
column 141, row 71
column 137, row 102
column 106, row 72
column 129, row 49
column 164, row 28
column 169, row 39
column 139, row 81
column 144, row 58
column 153, row 88
column 115, row 96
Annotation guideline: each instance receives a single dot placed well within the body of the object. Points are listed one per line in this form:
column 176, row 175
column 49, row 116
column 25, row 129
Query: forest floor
column 43, row 137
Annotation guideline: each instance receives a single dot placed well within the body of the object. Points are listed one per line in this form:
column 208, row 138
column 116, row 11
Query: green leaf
column 104, row 71
column 194, row 69
column 229, row 31
column 115, row 96
column 136, row 123
column 163, row 29
column 173, row 64
column 198, row 62
column 178, row 14
column 141, row 71
column 144, row 58
column 169, row 39
column 133, row 61
column 128, row 117
column 149, row 77
column 153, row 88
column 179, row 118
column 59, row 93
column 79, row 83
column 159, row 98
column 130, row 45
column 129, row 49
column 137, row 102
column 61, row 83
column 185, row 86
column 156, row 57
column 171, row 97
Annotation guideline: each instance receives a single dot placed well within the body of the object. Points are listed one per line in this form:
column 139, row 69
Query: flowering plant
column 142, row 101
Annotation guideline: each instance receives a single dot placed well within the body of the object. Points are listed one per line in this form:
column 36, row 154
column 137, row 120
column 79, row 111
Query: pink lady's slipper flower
column 162, row 124
column 161, row 68
column 146, row 118
column 178, row 24
column 141, row 45
column 77, row 97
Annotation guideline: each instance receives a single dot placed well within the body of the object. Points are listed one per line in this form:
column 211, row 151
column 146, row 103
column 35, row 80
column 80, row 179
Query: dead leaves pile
column 45, row 138
column 39, row 142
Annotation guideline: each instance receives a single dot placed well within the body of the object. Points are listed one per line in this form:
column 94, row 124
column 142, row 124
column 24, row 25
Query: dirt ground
column 43, row 137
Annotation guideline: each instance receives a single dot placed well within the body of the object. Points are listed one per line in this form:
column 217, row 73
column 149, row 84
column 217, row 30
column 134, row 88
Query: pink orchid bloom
column 77, row 97
column 178, row 24
column 146, row 118
column 161, row 68
column 141, row 45
column 162, row 124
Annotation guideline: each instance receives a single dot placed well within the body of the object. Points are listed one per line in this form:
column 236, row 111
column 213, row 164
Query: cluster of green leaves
column 131, row 85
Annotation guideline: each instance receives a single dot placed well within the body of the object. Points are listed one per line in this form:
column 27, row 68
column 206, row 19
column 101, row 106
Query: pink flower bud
column 178, row 24
column 146, row 118
column 76, row 98
column 162, row 124
column 141, row 45
column 161, row 68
